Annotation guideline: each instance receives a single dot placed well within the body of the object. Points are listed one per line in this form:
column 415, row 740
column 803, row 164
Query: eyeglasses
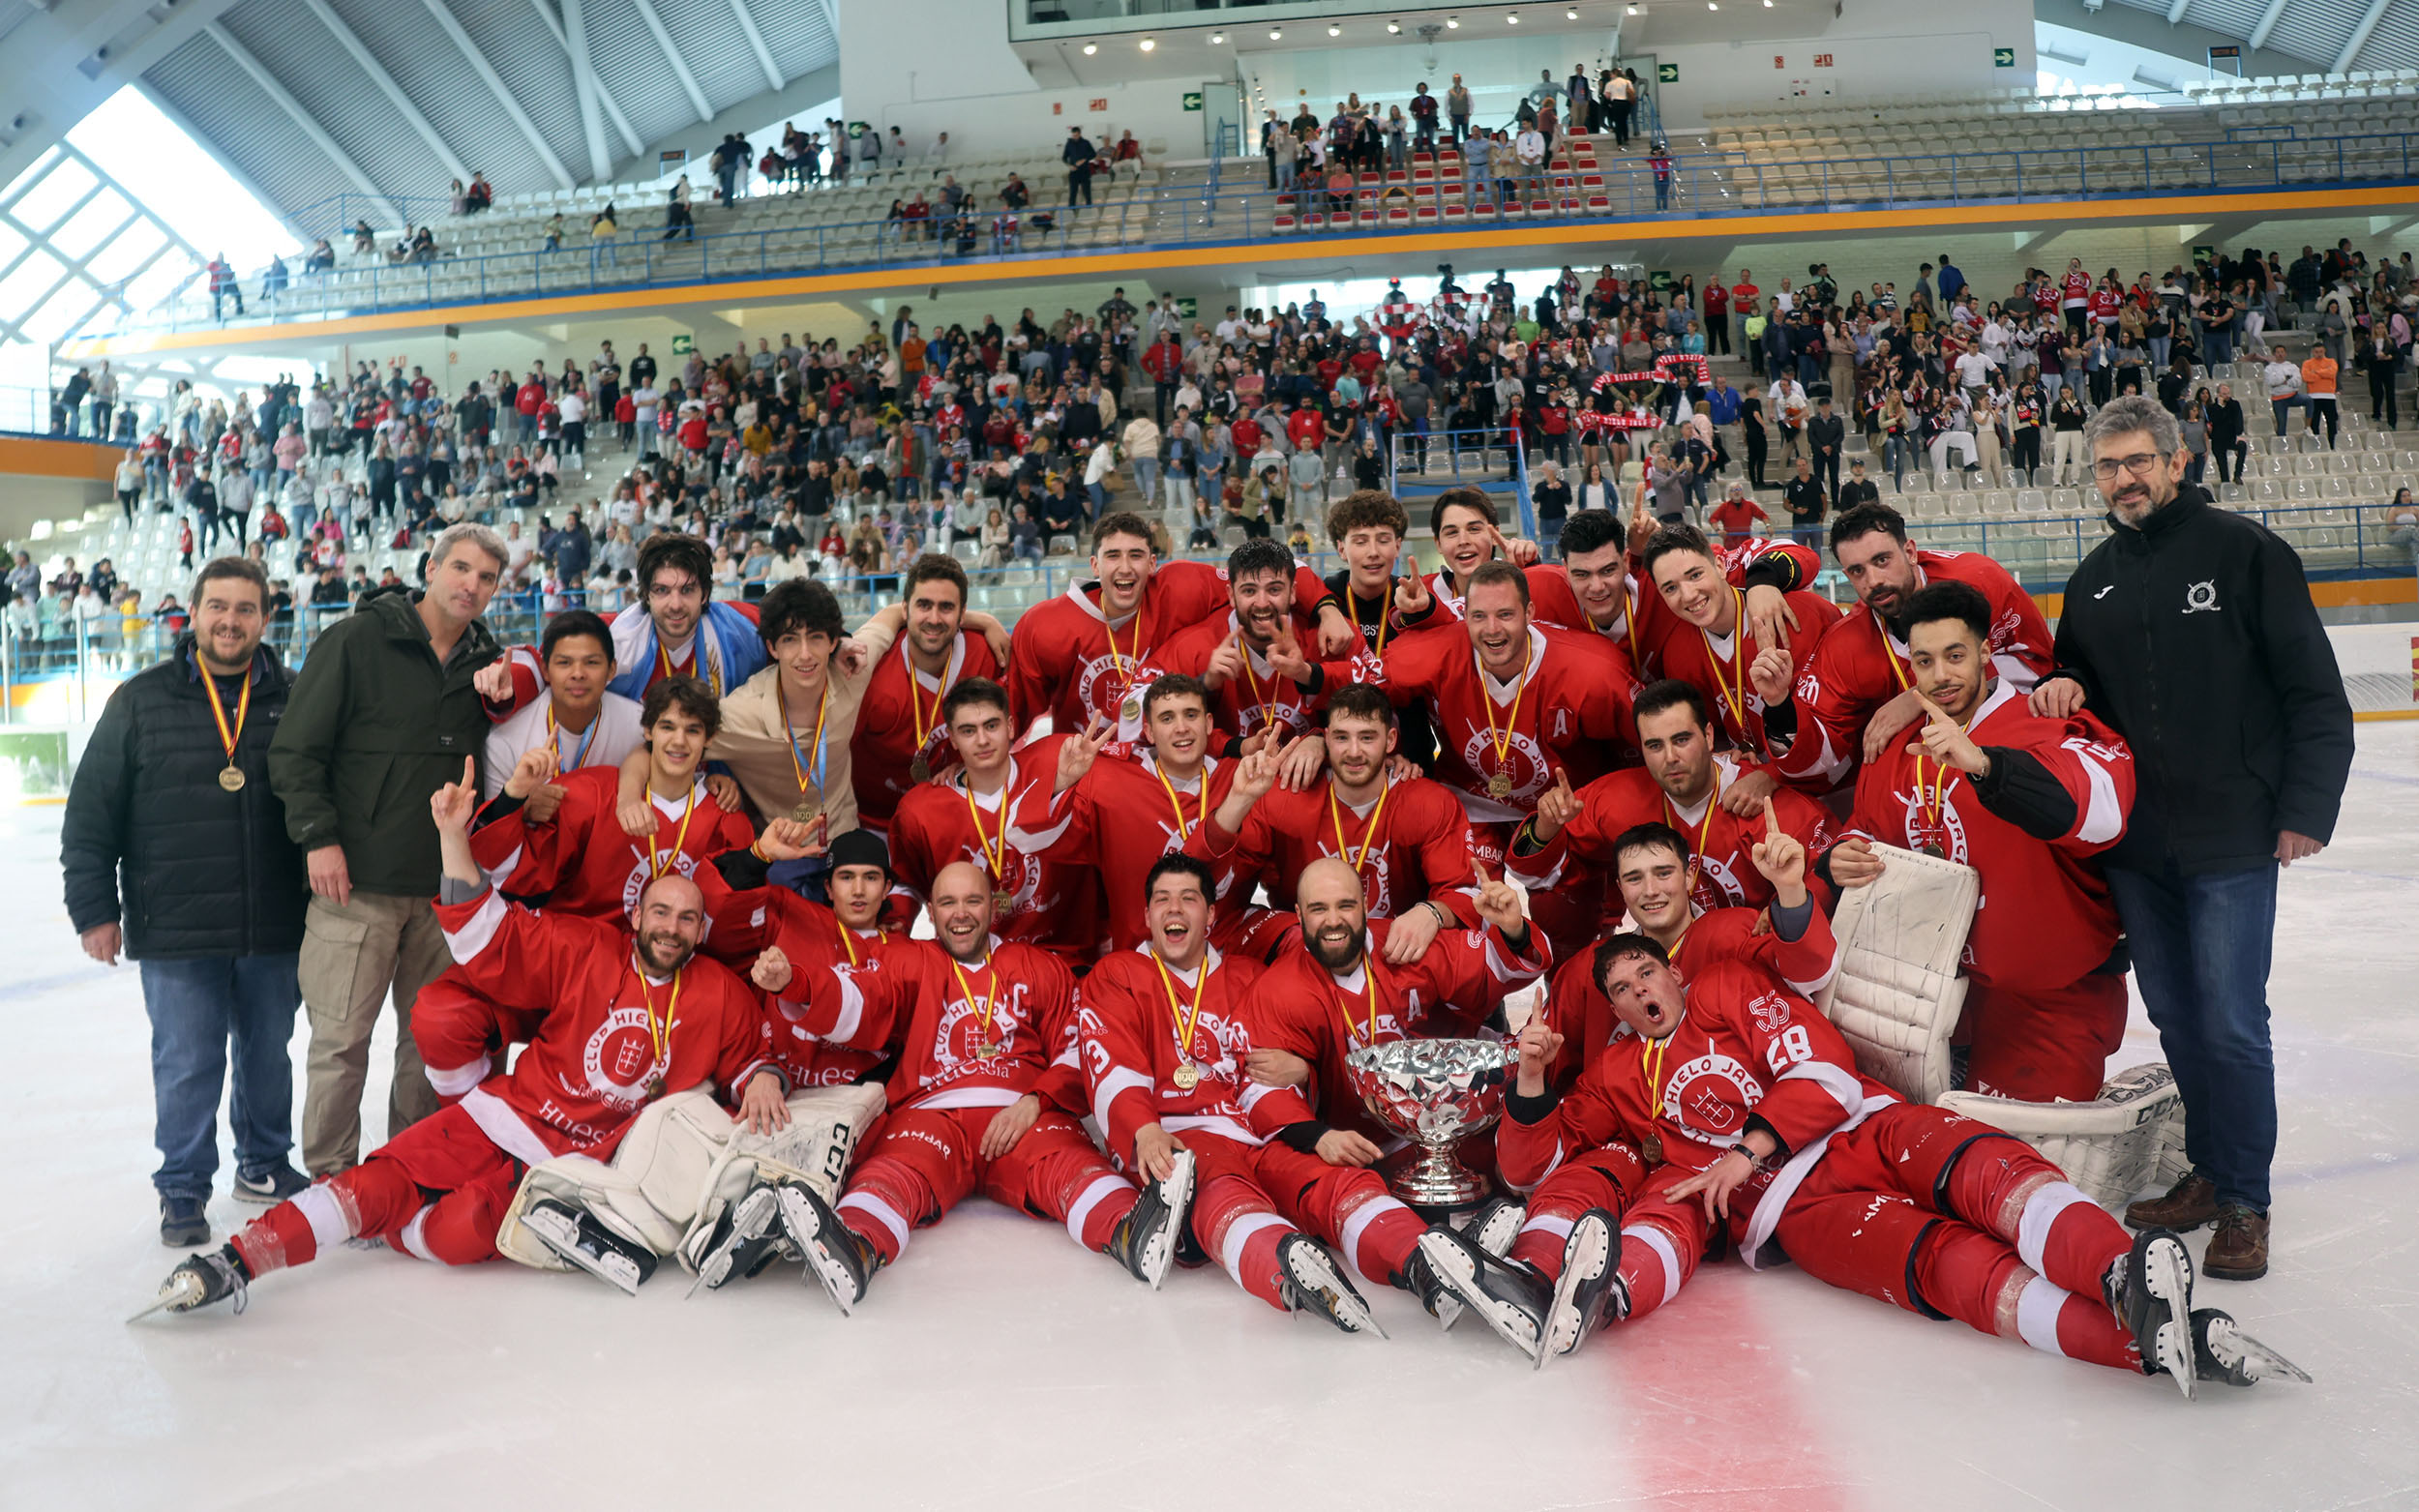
column 2140, row 465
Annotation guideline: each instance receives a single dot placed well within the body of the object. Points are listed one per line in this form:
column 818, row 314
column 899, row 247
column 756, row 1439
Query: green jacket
column 372, row 727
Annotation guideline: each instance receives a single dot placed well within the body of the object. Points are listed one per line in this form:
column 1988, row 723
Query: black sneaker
column 1144, row 1239
column 1511, row 1297
column 2223, row 1352
column 2150, row 1291
column 274, row 1184
column 183, row 1224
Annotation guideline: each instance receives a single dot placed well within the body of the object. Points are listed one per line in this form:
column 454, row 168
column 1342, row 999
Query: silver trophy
column 1435, row 1093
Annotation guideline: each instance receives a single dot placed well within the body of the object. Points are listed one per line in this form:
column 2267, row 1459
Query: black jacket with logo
column 2196, row 638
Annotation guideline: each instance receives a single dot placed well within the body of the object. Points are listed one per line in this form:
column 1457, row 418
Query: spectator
column 1078, row 154
column 1803, row 493
column 678, row 222
column 176, row 857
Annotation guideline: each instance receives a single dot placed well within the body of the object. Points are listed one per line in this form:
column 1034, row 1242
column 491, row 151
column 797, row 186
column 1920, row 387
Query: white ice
column 998, row 1367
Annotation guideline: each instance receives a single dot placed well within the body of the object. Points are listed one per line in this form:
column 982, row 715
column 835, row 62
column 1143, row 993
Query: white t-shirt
column 572, row 407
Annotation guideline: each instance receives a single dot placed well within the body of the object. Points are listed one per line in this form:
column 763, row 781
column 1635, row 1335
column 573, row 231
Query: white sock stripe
column 1101, row 1189
column 414, row 1235
column 1238, row 1234
column 328, row 1223
column 1660, row 1242
column 1547, row 1223
column 2037, row 1308
column 459, row 1080
column 2040, row 1213
column 880, row 1212
column 1349, row 1238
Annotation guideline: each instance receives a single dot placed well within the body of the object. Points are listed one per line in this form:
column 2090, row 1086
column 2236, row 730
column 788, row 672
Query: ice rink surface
column 997, row 1367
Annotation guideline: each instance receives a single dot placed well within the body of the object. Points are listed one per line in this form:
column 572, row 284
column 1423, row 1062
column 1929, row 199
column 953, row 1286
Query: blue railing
column 1621, row 190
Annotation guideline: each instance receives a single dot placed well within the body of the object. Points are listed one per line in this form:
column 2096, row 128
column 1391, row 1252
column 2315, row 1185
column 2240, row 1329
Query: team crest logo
column 2201, row 598
column 641, row 872
column 1770, row 1012
column 1716, row 885
column 1921, row 831
column 1524, row 762
column 620, row 1056
column 1102, row 683
column 960, row 1034
column 1712, row 1096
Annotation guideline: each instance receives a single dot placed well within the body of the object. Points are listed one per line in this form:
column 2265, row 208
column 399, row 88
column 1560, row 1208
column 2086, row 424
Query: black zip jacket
column 2195, row 638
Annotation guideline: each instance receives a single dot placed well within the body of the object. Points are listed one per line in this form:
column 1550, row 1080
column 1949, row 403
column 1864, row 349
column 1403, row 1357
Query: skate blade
column 1584, row 1254
column 1451, row 1267
column 166, row 1302
column 804, row 1226
column 1314, row 1276
column 2167, row 1275
column 1177, row 1191
column 2240, row 1351
column 613, row 1270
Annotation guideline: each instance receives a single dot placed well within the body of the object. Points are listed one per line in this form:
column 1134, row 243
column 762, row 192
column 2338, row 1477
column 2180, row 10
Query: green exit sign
column 1668, row 73
column 682, row 346
column 2003, row 57
column 1187, row 306
column 1192, row 100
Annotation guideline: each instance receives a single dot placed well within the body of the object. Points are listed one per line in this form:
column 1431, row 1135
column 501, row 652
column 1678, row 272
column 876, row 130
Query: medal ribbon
column 1176, row 1005
column 799, row 768
column 915, row 702
column 995, row 854
column 699, row 665
column 1501, row 745
column 228, row 735
column 1705, row 828
column 966, row 985
column 1734, row 697
column 1368, row 834
column 1200, row 799
column 1650, row 1067
column 1936, row 807
column 1369, row 992
column 659, row 862
column 1126, row 666
column 1266, row 703
column 659, row 1036
column 554, row 737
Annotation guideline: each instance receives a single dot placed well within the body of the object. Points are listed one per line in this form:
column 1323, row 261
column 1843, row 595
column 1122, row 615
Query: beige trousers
column 353, row 957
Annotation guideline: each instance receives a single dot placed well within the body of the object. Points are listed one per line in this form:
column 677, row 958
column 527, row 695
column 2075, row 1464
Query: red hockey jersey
column 1717, row 666
column 1410, row 844
column 899, row 723
column 580, row 861
column 2043, row 918
column 748, row 920
column 1052, row 902
column 1499, row 744
column 1262, row 697
column 1119, row 819
column 1142, row 1021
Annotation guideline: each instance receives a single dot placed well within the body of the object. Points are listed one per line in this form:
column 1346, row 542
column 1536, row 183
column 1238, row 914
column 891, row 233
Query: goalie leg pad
column 1896, row 996
column 2128, row 1140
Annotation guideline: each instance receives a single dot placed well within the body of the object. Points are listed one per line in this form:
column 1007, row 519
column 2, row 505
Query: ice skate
column 2151, row 1292
column 835, row 1257
column 748, row 1238
column 1511, row 1298
column 1307, row 1277
column 1144, row 1239
column 588, row 1245
column 2222, row 1351
column 200, row 1281
column 1588, row 1291
column 1418, row 1278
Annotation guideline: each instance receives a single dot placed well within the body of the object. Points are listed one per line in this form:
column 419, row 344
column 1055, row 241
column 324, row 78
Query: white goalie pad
column 685, row 1160
column 1896, row 996
column 2126, row 1142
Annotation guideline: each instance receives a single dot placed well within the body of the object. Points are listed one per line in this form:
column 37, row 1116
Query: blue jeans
column 1147, row 479
column 198, row 1009
column 2200, row 947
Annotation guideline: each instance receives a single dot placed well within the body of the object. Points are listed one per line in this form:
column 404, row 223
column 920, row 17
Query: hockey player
column 1167, row 1030
column 1093, row 650
column 626, row 1021
column 1337, row 992
column 676, row 630
column 1407, row 838
column 1468, row 533
column 1748, row 1113
column 1718, row 798
column 1367, row 530
column 1654, row 872
column 900, row 738
column 1705, row 639
column 585, row 722
column 581, row 860
column 1598, row 586
column 2026, row 801
column 1263, row 687
column 1856, row 693
column 966, row 815
column 987, row 1096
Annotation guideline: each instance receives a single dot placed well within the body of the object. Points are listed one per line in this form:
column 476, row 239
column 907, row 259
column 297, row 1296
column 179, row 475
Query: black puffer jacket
column 204, row 871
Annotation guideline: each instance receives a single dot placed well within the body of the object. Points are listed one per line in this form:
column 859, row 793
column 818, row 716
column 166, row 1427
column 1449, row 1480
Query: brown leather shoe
column 2239, row 1250
column 2187, row 1205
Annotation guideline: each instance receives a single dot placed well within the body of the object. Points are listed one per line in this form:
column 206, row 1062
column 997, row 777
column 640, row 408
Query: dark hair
column 1862, row 520
column 1360, row 701
column 1948, row 599
column 692, row 696
column 1649, row 835
column 1259, row 554
column 1122, row 522
column 1674, row 538
column 799, row 606
column 683, row 553
column 971, row 689
column 1366, row 509
column 932, row 567
column 1176, row 862
column 1465, row 499
column 1498, row 572
column 1613, row 947
column 571, row 624
column 220, row 567
column 1175, row 685
column 1671, row 693
column 1591, row 530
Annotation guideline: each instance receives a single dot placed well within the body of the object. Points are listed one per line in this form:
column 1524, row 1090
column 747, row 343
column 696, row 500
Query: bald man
column 611, row 1044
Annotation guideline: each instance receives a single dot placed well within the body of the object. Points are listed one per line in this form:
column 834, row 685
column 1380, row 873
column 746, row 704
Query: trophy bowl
column 1434, row 1093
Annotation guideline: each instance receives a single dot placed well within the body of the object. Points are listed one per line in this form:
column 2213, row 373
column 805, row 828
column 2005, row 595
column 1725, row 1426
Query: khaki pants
column 351, row 956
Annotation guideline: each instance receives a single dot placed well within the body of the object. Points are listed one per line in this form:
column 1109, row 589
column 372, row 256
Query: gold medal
column 920, row 770
column 231, row 779
column 1187, row 1077
column 654, row 1087
column 1001, row 902
column 230, row 734
column 1499, row 785
column 986, row 1051
column 806, row 812
column 1934, row 849
column 1130, row 712
column 1652, row 1147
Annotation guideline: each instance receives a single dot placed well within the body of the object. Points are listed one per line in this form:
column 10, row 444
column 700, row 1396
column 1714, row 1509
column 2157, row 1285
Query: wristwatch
column 1756, row 1162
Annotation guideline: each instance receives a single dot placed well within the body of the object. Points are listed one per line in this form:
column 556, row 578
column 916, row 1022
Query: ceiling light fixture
column 1452, row 23
column 1216, row 38
column 1148, row 44
column 1394, row 28
column 1571, row 14
column 1334, row 30
column 1513, row 19
column 1090, row 47
column 1277, row 34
